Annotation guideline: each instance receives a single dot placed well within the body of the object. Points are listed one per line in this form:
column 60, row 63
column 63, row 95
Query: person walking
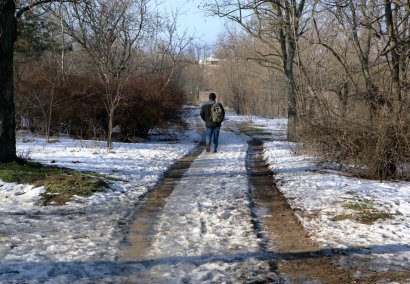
column 213, row 114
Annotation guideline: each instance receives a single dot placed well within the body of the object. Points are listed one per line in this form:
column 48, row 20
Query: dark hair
column 212, row 96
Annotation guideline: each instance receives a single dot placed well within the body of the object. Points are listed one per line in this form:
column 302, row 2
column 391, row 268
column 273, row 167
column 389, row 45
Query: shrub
column 378, row 149
column 82, row 114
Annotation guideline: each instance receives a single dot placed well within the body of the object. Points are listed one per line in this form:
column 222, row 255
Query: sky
column 194, row 20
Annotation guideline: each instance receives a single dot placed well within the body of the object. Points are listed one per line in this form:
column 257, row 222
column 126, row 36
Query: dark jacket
column 206, row 114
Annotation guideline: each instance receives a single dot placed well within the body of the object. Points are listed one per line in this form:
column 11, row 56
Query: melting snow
column 211, row 224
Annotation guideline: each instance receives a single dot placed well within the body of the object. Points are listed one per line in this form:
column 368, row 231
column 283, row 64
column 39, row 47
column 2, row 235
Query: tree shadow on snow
column 107, row 270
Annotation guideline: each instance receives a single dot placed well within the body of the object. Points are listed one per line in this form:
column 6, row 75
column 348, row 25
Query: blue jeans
column 212, row 131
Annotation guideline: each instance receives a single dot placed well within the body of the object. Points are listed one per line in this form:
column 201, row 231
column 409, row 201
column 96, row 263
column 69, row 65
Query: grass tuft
column 61, row 183
column 364, row 211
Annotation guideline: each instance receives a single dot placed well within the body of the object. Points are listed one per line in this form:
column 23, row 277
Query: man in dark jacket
column 212, row 127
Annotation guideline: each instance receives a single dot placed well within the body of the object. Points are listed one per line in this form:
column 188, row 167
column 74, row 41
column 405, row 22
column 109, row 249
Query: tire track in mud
column 292, row 255
column 143, row 225
column 281, row 232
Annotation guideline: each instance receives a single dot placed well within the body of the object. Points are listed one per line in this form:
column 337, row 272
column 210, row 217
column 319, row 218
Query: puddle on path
column 143, row 228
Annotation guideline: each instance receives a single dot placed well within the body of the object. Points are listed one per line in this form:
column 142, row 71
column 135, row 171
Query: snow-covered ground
column 36, row 240
column 321, row 199
column 205, row 224
column 204, row 228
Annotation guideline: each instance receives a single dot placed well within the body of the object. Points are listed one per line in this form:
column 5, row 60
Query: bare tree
column 167, row 58
column 110, row 32
column 358, row 59
column 279, row 25
column 232, row 75
column 43, row 93
column 397, row 48
column 195, row 73
column 193, row 77
column 248, row 87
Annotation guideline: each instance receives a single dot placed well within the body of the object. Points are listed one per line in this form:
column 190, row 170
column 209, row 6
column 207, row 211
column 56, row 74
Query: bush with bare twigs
column 148, row 103
column 377, row 150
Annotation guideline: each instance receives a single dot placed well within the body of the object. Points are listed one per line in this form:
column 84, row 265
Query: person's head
column 212, row 96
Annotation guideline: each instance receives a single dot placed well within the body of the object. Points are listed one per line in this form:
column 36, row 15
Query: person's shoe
column 208, row 148
column 215, row 151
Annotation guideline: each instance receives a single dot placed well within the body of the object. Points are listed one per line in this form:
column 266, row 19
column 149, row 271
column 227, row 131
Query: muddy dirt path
column 298, row 259
column 285, row 246
column 143, row 228
column 282, row 232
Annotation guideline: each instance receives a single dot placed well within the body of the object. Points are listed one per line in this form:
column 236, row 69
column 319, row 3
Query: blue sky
column 206, row 28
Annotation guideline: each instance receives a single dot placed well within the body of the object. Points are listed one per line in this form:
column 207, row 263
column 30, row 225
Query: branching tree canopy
column 110, row 31
column 278, row 24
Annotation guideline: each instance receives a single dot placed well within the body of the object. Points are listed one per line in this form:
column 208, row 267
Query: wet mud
column 281, row 231
column 143, row 227
column 296, row 258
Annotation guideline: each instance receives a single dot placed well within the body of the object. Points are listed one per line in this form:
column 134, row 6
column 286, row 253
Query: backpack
column 216, row 112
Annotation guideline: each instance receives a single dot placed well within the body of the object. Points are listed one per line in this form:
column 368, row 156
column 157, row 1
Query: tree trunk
column 110, row 129
column 8, row 33
column 292, row 94
column 391, row 23
column 292, row 113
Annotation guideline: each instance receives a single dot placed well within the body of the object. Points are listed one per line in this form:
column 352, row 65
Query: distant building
column 210, row 61
column 210, row 66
